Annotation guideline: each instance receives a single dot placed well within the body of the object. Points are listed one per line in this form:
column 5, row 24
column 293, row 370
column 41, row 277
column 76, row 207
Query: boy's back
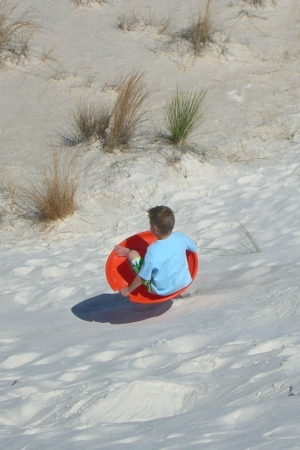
column 165, row 263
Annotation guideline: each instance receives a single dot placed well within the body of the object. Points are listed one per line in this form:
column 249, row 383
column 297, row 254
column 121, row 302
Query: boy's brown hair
column 163, row 217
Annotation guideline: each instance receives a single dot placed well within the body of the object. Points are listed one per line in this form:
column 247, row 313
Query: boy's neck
column 162, row 237
column 155, row 230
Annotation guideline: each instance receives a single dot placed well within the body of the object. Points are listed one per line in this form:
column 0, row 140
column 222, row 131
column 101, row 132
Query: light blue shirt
column 165, row 263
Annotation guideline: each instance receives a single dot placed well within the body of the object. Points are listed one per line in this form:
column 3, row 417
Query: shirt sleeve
column 190, row 244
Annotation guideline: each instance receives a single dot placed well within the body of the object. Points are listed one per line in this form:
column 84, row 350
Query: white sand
column 82, row 367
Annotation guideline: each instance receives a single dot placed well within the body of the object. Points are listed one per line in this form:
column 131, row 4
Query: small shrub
column 51, row 195
column 184, row 113
column 127, row 112
column 89, row 121
column 15, row 33
column 199, row 33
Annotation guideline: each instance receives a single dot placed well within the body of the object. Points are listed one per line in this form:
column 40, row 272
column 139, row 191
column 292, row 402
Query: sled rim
column 119, row 274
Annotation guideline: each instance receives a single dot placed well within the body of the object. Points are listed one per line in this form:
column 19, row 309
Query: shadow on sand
column 115, row 309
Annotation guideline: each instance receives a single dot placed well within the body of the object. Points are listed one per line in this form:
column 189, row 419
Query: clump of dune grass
column 127, row 112
column 185, row 111
column 255, row 2
column 135, row 20
column 254, row 246
column 89, row 122
column 51, row 195
column 114, row 126
column 129, row 22
column 89, row 2
column 198, row 34
column 15, row 32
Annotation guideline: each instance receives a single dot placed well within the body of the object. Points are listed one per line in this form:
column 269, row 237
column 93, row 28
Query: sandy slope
column 83, row 368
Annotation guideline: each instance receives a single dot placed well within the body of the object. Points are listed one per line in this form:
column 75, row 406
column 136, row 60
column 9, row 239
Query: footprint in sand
column 18, row 360
column 234, row 95
column 265, row 347
column 69, row 352
column 107, row 355
column 151, row 361
column 240, row 415
column 35, row 262
column 54, row 272
column 22, row 271
column 149, row 400
column 207, row 364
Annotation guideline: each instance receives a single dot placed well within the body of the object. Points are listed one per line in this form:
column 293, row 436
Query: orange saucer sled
column 119, row 274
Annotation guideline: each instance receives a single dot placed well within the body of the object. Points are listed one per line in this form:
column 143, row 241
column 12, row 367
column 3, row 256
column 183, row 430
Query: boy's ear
column 155, row 229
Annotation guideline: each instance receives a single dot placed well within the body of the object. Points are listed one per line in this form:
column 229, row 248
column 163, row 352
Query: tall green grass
column 185, row 111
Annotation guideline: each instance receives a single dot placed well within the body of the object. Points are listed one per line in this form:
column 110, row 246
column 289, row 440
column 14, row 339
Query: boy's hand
column 124, row 291
column 135, row 284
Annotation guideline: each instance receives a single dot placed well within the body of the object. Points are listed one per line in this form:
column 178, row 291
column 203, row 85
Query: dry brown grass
column 15, row 32
column 115, row 125
column 127, row 112
column 198, row 34
column 51, row 196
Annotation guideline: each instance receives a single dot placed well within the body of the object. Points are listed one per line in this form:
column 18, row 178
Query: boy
column 164, row 270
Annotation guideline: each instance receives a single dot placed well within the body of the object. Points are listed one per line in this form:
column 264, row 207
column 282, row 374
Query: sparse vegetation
column 113, row 126
column 183, row 114
column 89, row 80
column 128, row 23
column 198, row 34
column 89, row 121
column 254, row 247
column 255, row 2
column 59, row 72
column 48, row 55
column 51, row 195
column 6, row 202
column 173, row 158
column 248, row 15
column 15, row 32
column 127, row 112
column 89, row 2
column 135, row 20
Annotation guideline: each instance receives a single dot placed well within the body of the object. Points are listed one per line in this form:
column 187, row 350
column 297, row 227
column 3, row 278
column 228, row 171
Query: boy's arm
column 191, row 245
column 134, row 285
